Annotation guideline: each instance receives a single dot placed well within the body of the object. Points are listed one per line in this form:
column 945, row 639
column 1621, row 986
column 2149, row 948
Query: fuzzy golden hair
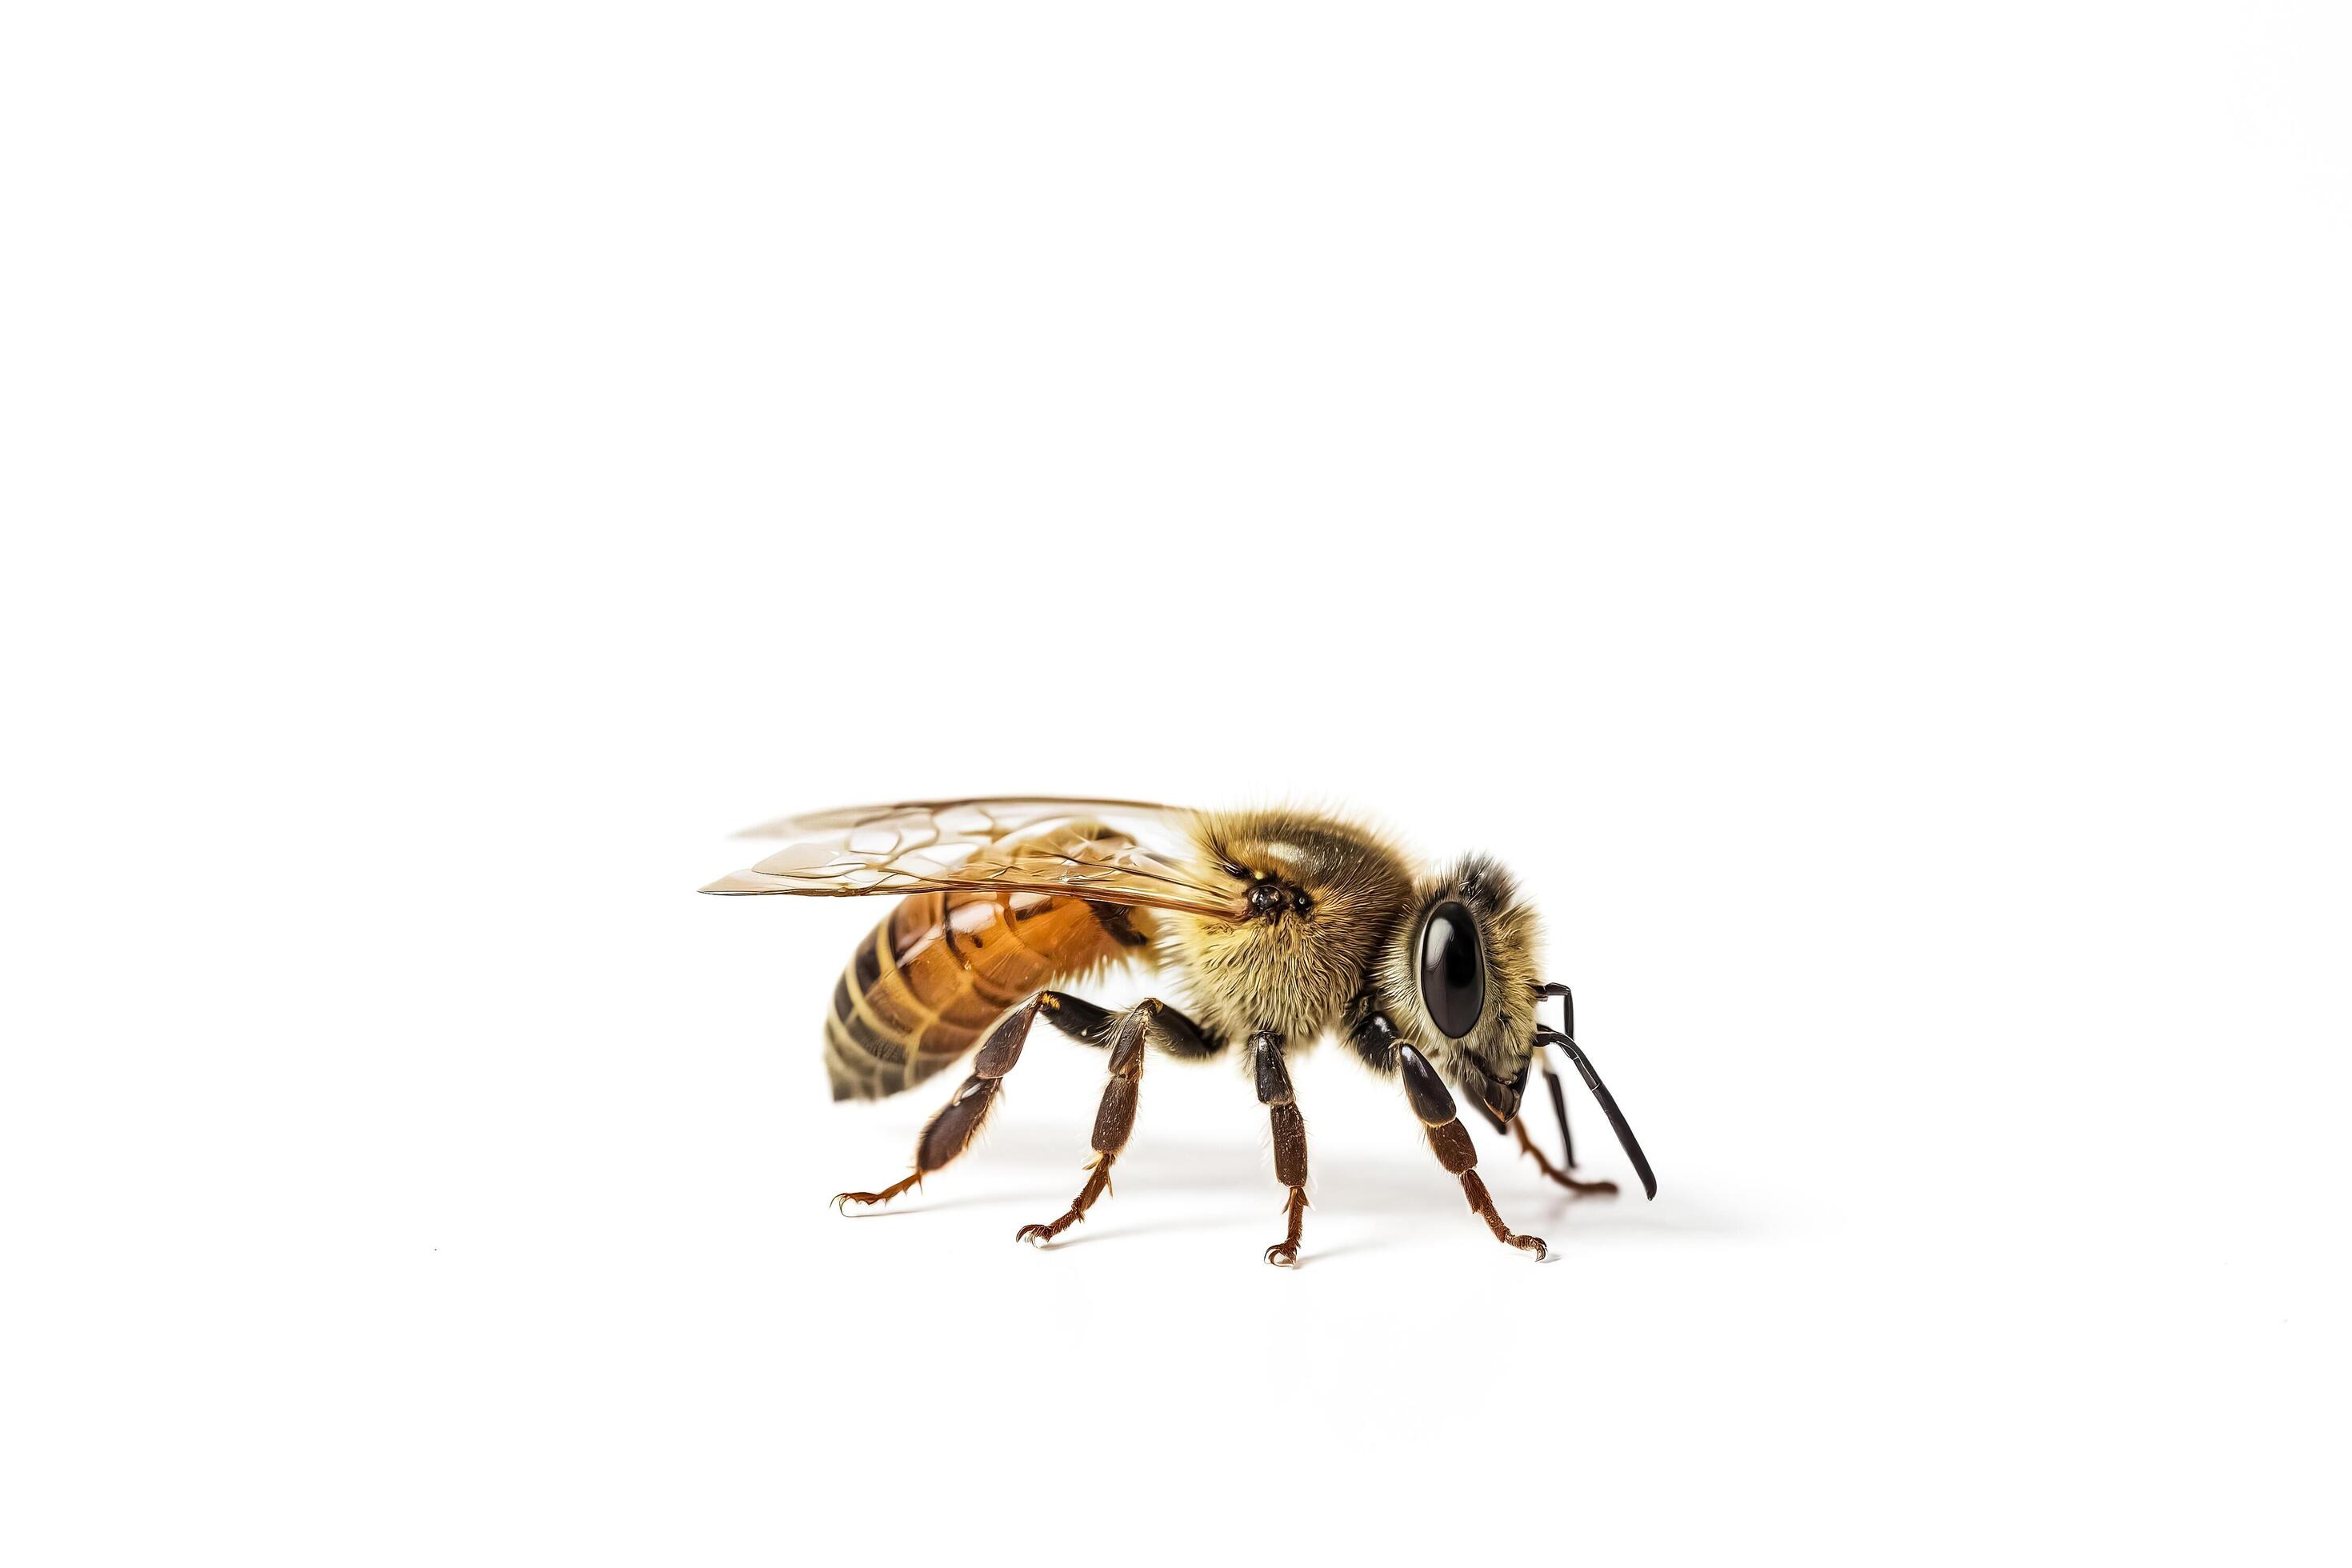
column 1297, row 970
column 1499, row 1046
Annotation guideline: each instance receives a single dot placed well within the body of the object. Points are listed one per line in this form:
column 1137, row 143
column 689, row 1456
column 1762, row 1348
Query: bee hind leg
column 841, row 1201
column 951, row 1131
column 1151, row 1021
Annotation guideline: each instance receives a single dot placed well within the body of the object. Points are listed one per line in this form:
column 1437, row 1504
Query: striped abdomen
column 944, row 966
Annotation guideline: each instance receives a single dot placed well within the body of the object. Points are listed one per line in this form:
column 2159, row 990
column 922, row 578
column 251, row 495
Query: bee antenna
column 1567, row 1004
column 1547, row 1036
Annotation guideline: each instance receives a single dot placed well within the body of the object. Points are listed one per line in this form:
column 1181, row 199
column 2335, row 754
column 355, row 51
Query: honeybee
column 1282, row 927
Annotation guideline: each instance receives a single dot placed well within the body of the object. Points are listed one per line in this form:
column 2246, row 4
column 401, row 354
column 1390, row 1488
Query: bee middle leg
column 1289, row 1141
column 1126, row 1033
column 1450, row 1142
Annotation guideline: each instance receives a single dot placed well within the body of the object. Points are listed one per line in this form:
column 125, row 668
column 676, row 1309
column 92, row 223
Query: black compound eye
column 1453, row 971
column 1265, row 898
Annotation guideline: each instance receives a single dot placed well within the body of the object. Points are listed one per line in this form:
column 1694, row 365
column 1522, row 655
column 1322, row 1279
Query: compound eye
column 1453, row 971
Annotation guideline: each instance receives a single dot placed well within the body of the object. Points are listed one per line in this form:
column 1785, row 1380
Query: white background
column 1846, row 501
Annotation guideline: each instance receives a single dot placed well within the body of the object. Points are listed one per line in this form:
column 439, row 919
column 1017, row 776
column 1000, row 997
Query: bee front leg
column 1450, row 1142
column 1289, row 1139
column 1559, row 1113
column 1528, row 1144
column 1518, row 1127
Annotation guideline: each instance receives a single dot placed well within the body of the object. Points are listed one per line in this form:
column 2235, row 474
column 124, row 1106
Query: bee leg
column 1115, row 1117
column 1289, row 1141
column 1559, row 1172
column 841, row 1201
column 1559, row 1113
column 1450, row 1142
column 951, row 1131
column 1528, row 1144
column 1518, row 1128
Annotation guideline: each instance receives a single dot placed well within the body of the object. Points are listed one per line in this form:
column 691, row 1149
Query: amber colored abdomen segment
column 943, row 967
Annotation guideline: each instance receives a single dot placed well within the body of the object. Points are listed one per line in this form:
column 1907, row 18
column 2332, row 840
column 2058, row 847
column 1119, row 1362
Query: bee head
column 1462, row 969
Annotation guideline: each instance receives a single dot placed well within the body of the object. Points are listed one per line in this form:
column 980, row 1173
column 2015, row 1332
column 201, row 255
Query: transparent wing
column 984, row 819
column 1043, row 844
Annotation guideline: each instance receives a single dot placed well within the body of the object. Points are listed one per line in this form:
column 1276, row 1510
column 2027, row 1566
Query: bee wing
column 915, row 846
column 980, row 820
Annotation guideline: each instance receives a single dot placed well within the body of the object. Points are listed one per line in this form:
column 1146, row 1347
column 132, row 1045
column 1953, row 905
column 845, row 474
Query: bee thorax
column 1322, row 896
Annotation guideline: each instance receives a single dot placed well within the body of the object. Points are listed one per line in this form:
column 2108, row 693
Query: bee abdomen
column 943, row 966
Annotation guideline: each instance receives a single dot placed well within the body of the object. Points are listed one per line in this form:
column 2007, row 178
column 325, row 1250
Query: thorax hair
column 1326, row 894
